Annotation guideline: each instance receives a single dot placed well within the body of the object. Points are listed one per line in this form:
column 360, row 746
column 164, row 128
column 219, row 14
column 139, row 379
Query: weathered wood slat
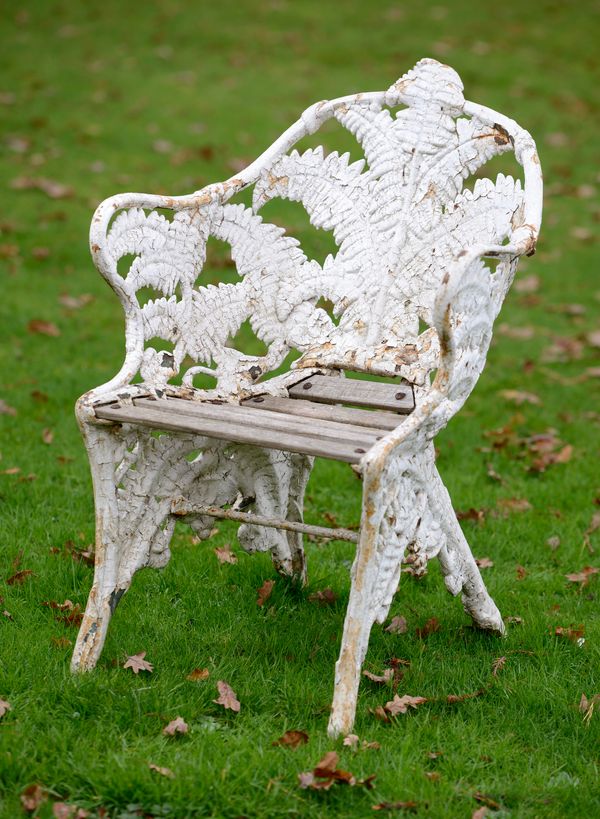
column 331, row 390
column 242, row 433
column 375, row 419
column 275, row 421
column 181, row 509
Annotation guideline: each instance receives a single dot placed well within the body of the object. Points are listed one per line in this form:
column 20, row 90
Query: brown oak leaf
column 386, row 677
column 400, row 705
column 225, row 555
column 6, row 409
column 292, row 739
column 326, row 774
column 265, row 592
column 431, row 626
column 573, row 633
column 19, row 578
column 587, row 706
column 62, row 810
column 520, row 397
column 583, row 577
column 398, row 625
column 486, row 800
column 227, row 697
column 43, row 328
column 137, row 663
column 32, row 797
column 162, row 771
column 484, row 562
column 198, row 674
column 176, row 726
column 326, row 597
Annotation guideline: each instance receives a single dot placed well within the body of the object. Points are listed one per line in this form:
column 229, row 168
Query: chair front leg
column 393, row 501
column 111, row 578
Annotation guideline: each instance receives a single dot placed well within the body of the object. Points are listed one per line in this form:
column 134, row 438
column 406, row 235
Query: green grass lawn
column 166, row 97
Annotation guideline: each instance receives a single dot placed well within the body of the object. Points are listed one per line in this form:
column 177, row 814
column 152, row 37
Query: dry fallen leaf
column 326, row 774
column 351, row 741
column 47, row 436
column 398, row 625
column 4, row 707
column 587, row 706
column 198, row 674
column 574, row 633
column 480, row 813
column 583, row 577
column 527, row 284
column 508, row 505
column 523, row 333
column 137, row 663
column 176, row 726
column 431, row 626
column 553, row 542
column 6, row 409
column 19, row 578
column 227, row 697
column 521, row 572
column 162, row 771
column 75, row 302
column 68, row 605
column 478, row 515
column 498, row 665
column 486, row 800
column 44, row 328
column 225, row 555
column 520, row 397
column 518, row 621
column 484, row 562
column 265, row 592
column 400, row 705
column 326, row 597
column 62, row 810
column 563, row 349
column 386, row 677
column 32, row 797
column 53, row 189
column 292, row 739
column 62, row 642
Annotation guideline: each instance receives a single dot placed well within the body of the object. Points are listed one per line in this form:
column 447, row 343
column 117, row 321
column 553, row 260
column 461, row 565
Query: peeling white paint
column 411, row 244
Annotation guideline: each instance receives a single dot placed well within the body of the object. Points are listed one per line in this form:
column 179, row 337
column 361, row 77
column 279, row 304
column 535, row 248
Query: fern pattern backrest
column 400, row 218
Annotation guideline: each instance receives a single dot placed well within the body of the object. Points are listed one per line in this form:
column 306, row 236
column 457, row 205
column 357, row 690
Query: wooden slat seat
column 290, row 424
column 377, row 394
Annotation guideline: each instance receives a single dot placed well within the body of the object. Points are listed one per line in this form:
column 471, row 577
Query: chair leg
column 394, row 500
column 110, row 581
column 360, row 617
column 102, row 602
column 461, row 573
